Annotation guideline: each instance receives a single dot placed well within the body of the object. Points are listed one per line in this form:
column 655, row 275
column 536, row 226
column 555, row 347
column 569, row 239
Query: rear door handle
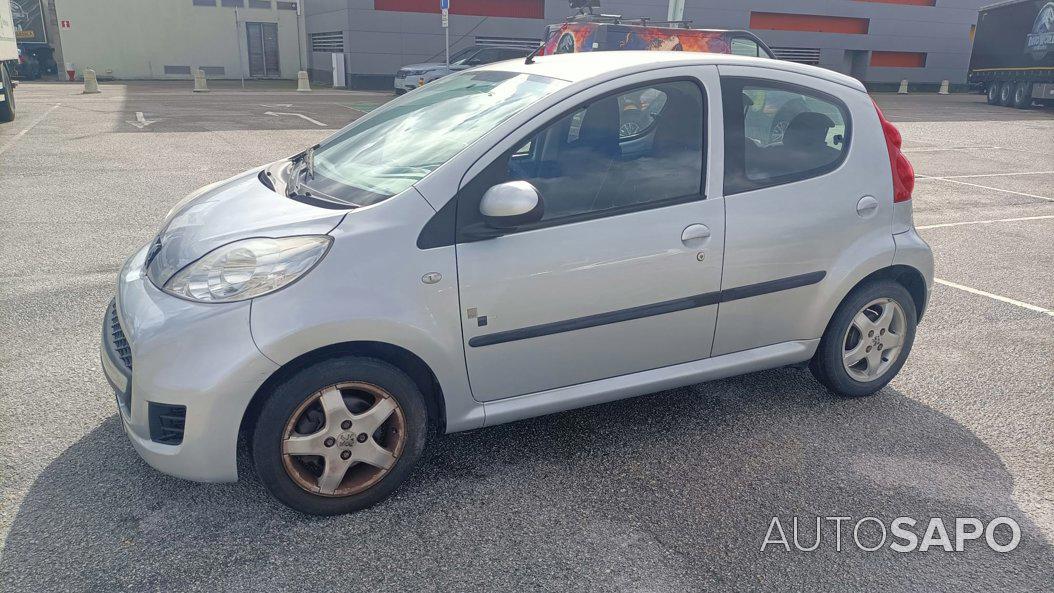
column 695, row 235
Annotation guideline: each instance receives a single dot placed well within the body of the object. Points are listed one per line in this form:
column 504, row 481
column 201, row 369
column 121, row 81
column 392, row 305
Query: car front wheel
column 340, row 435
column 867, row 341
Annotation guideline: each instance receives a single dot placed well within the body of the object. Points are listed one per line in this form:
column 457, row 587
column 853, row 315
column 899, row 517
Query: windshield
column 411, row 136
column 462, row 55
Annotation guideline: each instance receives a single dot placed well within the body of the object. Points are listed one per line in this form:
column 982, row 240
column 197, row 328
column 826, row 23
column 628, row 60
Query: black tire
column 1006, row 94
column 288, row 397
column 826, row 364
column 993, row 93
column 7, row 107
column 1023, row 95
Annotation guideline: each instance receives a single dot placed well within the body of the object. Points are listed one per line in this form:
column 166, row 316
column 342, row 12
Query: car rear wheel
column 1006, row 94
column 867, row 341
column 993, row 93
column 1023, row 95
column 340, row 435
column 7, row 107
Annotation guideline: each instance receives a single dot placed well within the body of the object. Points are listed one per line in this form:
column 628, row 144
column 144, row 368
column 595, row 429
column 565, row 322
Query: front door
column 623, row 271
column 262, row 43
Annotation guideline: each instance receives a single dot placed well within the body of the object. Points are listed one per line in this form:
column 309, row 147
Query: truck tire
column 993, row 93
column 1023, row 95
column 7, row 107
column 1006, row 94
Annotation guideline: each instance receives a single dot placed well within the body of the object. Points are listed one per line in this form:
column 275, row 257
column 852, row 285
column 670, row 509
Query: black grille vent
column 167, row 423
column 120, row 344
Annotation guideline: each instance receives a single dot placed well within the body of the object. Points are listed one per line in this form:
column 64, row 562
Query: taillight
column 903, row 172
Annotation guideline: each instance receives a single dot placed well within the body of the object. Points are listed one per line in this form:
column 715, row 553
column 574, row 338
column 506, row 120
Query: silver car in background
column 514, row 240
column 412, row 76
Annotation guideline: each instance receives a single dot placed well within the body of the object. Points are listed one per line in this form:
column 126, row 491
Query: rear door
column 622, row 273
column 808, row 199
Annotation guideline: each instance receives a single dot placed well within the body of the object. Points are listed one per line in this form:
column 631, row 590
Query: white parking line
column 1008, row 191
column 32, row 125
column 946, row 224
column 984, row 175
column 997, row 297
column 944, row 148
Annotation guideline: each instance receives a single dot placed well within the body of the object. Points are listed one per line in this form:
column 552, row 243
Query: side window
column 640, row 148
column 778, row 133
column 741, row 46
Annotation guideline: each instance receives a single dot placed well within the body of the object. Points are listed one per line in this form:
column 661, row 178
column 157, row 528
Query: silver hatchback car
column 515, row 240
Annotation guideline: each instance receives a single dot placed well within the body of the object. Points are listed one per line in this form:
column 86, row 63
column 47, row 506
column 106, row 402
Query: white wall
column 135, row 39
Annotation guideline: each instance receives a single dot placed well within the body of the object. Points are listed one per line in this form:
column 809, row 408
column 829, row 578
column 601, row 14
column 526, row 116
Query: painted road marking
column 947, row 224
column 1008, row 191
column 997, row 297
column 141, row 121
column 32, row 125
column 300, row 115
column 984, row 175
column 940, row 149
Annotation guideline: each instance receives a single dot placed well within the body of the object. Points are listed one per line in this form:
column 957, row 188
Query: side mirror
column 511, row 204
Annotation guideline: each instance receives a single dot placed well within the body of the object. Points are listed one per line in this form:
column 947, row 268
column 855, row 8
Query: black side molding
column 682, row 304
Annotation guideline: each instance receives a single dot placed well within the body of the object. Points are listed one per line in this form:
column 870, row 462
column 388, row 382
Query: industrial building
column 169, row 39
column 876, row 41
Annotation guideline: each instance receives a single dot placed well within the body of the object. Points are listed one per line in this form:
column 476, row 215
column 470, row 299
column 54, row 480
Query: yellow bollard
column 903, row 87
column 200, row 84
column 91, row 83
column 303, row 85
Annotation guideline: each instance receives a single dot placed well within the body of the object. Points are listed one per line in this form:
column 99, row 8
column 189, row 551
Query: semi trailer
column 1013, row 53
column 8, row 61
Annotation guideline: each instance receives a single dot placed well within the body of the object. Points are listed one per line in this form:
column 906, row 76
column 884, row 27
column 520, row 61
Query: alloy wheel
column 343, row 439
column 874, row 339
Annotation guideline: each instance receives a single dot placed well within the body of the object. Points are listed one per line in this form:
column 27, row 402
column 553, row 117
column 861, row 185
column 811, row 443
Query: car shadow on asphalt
column 670, row 492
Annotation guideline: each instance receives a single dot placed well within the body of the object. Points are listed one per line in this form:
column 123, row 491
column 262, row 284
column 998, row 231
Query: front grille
column 167, row 423
column 117, row 339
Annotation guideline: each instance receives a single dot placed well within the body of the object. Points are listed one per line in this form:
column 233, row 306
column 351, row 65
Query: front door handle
column 695, row 235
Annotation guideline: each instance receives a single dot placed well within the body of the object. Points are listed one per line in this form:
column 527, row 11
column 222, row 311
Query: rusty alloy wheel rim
column 351, row 451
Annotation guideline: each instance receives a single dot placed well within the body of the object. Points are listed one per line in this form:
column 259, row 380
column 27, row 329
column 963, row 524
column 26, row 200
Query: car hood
column 425, row 66
column 238, row 208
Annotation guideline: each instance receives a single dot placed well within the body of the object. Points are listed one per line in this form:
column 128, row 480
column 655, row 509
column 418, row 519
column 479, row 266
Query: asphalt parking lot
column 670, row 492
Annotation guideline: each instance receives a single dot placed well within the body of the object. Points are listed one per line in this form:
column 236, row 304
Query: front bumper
column 407, row 83
column 182, row 354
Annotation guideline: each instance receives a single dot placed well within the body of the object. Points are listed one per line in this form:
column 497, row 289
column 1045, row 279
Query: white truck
column 8, row 59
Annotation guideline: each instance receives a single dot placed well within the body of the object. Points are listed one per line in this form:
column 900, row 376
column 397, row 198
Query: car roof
column 576, row 67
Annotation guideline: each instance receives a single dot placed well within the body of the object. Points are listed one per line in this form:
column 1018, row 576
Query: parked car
column 28, row 67
column 499, row 245
column 410, row 77
column 606, row 33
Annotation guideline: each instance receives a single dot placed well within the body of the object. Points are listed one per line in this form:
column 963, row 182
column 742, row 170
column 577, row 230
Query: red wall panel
column 528, row 9
column 779, row 21
column 898, row 59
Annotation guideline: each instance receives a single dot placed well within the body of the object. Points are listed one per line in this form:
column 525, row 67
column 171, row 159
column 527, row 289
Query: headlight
column 248, row 268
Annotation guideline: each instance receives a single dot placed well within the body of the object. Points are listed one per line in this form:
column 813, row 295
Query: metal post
column 238, row 40
column 446, row 31
column 675, row 11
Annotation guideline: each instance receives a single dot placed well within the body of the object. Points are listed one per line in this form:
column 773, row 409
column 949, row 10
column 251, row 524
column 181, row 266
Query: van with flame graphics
column 593, row 36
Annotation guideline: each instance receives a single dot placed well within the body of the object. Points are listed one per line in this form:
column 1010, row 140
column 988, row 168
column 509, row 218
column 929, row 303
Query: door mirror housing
column 511, row 204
